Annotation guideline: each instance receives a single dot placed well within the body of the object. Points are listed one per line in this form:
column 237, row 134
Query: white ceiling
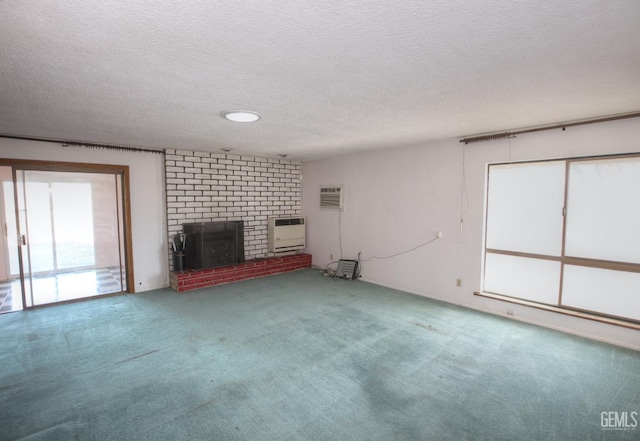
column 328, row 77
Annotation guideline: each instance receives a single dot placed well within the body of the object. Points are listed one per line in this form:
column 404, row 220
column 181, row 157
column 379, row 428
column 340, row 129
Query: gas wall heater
column 285, row 234
column 332, row 198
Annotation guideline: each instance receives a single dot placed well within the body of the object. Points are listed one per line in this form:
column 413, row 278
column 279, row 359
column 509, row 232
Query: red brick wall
column 195, row 279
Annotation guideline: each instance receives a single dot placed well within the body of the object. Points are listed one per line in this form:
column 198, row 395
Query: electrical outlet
column 331, row 257
column 458, row 282
column 439, row 234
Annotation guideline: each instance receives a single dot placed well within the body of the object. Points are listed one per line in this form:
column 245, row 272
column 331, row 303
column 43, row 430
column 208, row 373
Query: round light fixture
column 240, row 115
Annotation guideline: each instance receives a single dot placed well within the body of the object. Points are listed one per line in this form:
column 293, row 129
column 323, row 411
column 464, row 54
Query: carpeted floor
column 300, row 357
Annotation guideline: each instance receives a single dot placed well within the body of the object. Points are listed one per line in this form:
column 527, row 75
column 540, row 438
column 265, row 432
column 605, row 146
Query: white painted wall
column 399, row 198
column 148, row 215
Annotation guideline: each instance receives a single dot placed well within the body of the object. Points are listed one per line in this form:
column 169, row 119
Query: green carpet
column 301, row 357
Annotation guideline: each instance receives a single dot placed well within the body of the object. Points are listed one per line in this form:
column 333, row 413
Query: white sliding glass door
column 65, row 239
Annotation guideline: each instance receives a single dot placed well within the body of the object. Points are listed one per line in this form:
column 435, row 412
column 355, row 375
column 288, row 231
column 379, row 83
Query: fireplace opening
column 213, row 244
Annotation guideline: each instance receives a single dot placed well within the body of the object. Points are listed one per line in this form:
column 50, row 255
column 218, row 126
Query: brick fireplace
column 210, row 187
column 204, row 187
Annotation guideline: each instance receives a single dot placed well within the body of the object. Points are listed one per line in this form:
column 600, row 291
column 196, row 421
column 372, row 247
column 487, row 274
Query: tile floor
column 61, row 287
column 10, row 299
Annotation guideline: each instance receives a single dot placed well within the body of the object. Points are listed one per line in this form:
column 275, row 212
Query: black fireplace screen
column 213, row 244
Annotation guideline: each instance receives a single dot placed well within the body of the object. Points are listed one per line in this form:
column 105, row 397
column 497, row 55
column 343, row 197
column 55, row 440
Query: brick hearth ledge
column 251, row 269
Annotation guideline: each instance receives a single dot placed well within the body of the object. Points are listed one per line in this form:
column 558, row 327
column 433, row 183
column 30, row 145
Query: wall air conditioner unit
column 285, row 234
column 332, row 197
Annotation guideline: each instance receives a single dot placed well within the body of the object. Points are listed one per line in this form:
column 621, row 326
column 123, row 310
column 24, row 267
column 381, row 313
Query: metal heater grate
column 347, row 269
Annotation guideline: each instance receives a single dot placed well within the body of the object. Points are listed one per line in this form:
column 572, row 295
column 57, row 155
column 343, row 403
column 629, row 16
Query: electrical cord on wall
column 326, row 271
column 360, row 260
column 401, row 252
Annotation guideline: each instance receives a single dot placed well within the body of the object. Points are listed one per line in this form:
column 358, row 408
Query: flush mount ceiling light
column 240, row 115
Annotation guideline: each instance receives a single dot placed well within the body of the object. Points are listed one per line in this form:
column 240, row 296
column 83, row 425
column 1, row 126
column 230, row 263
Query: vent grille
column 347, row 269
column 332, row 197
column 291, row 221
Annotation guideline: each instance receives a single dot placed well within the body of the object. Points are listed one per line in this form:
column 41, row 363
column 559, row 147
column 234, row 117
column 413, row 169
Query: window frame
column 563, row 259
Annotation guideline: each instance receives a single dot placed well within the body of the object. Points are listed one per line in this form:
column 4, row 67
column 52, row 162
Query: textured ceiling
column 328, row 77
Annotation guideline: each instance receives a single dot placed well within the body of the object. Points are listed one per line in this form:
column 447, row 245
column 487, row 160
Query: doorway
column 66, row 233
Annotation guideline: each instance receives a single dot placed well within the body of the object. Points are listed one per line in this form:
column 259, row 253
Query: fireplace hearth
column 213, row 244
